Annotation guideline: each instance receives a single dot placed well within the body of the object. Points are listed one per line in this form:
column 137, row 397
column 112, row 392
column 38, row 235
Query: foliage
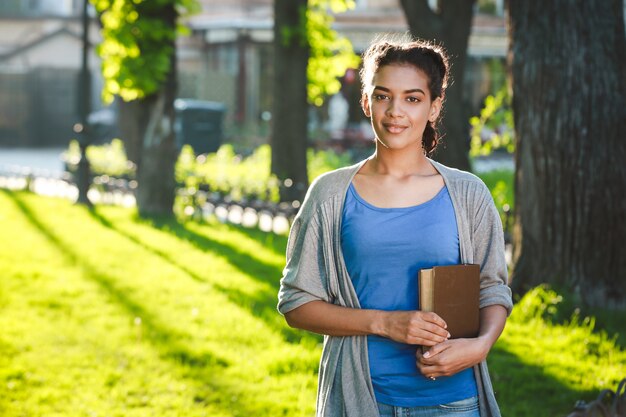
column 230, row 174
column 108, row 159
column 127, row 310
column 494, row 128
column 137, row 43
column 225, row 172
column 330, row 54
column 487, row 6
column 500, row 183
column 540, row 367
column 321, row 161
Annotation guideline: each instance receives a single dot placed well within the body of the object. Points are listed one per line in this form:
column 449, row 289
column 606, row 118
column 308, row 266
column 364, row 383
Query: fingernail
column 448, row 335
column 427, row 354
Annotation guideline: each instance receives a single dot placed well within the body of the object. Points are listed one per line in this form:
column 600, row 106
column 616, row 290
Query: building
column 40, row 62
column 227, row 58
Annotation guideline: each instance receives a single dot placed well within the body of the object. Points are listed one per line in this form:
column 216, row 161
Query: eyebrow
column 414, row 90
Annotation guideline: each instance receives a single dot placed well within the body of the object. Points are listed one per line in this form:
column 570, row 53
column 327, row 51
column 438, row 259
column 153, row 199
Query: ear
column 365, row 105
column 435, row 109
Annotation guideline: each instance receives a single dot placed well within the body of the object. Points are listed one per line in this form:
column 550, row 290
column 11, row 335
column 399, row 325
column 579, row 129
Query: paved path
column 46, row 160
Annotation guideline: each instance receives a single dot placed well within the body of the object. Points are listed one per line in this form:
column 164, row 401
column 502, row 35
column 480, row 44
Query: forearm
column 411, row 327
column 492, row 320
column 332, row 320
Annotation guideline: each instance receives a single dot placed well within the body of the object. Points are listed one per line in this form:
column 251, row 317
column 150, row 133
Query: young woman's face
column 399, row 105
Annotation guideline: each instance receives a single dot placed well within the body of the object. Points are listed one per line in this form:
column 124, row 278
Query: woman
column 362, row 235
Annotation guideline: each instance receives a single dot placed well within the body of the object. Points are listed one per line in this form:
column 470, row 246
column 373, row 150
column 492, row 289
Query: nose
column 394, row 108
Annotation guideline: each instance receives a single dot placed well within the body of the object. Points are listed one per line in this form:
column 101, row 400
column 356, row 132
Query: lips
column 394, row 127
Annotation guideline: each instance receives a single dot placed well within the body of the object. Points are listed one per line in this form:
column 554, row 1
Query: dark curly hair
column 423, row 55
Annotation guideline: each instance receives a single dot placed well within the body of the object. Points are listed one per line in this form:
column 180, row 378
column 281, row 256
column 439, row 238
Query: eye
column 380, row 97
column 412, row 99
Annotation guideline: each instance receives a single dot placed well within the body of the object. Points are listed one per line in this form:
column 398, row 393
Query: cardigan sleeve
column 488, row 248
column 304, row 278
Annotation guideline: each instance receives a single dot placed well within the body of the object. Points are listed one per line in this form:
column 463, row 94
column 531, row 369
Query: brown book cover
column 453, row 293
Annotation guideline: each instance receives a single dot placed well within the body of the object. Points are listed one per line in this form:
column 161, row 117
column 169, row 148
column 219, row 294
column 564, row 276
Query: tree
column 308, row 58
column 139, row 65
column 450, row 25
column 569, row 103
column 290, row 107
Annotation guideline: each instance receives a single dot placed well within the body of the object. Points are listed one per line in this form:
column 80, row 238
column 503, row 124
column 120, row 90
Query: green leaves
column 330, row 54
column 138, row 43
column 494, row 128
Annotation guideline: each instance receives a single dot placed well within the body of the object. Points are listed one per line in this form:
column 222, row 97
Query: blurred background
column 226, row 58
column 153, row 155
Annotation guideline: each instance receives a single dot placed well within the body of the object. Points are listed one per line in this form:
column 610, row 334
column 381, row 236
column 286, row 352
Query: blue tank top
column 384, row 249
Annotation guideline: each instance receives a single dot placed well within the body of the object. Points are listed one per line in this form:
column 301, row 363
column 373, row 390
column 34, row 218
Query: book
column 453, row 293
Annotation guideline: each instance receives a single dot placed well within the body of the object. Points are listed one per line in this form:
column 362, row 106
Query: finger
column 434, row 356
column 419, row 352
column 434, row 318
column 429, row 336
column 429, row 370
column 417, row 324
column 430, row 327
column 435, row 350
column 426, row 339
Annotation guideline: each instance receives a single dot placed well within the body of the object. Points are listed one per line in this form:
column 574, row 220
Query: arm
column 455, row 355
column 487, row 245
column 412, row 327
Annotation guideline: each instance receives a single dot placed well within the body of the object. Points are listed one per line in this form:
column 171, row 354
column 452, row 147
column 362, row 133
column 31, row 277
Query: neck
column 401, row 163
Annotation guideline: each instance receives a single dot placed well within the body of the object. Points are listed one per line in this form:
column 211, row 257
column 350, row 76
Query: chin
column 399, row 145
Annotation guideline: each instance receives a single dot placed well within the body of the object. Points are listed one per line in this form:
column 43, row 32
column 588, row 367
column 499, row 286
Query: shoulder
column 454, row 175
column 332, row 182
column 328, row 186
column 463, row 183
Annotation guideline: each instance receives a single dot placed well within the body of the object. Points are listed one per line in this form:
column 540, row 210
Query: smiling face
column 399, row 105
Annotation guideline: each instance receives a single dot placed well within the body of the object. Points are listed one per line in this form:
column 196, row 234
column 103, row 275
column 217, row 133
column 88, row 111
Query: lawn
column 105, row 314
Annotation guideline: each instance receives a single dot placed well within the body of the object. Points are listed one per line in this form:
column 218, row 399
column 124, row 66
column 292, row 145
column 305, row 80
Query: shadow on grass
column 522, row 389
column 525, row 390
column 261, row 304
column 205, row 366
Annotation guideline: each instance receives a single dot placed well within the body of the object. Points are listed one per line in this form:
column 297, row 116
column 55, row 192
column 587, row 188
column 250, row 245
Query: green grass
column 105, row 314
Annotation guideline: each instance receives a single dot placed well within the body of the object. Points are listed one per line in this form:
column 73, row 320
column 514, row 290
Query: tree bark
column 450, row 26
column 132, row 120
column 290, row 106
column 569, row 89
column 155, row 165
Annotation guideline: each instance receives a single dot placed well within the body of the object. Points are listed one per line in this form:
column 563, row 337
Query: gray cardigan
column 315, row 270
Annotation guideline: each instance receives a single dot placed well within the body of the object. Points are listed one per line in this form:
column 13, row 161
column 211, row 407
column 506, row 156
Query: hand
column 414, row 327
column 451, row 356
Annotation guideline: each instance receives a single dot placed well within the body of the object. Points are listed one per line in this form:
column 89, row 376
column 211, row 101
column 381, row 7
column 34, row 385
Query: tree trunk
column 569, row 90
column 132, row 120
column 155, row 166
column 290, row 106
column 450, row 26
